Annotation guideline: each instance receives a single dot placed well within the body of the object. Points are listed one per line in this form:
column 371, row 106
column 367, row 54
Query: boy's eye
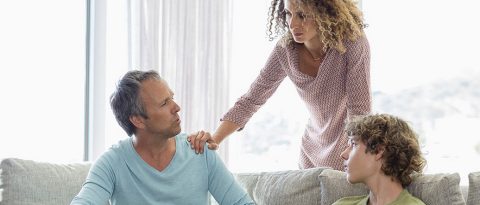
column 352, row 143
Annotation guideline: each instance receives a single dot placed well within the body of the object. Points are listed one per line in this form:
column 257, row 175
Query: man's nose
column 176, row 107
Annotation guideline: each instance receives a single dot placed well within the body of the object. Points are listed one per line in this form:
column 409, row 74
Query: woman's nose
column 292, row 22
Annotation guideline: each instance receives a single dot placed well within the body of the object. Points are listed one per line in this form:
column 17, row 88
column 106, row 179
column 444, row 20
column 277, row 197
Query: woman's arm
column 198, row 139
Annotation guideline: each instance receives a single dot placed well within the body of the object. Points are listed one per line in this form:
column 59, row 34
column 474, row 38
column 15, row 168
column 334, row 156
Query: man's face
column 359, row 165
column 162, row 111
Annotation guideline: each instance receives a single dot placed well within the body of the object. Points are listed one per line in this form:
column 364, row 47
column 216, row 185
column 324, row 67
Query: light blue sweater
column 121, row 175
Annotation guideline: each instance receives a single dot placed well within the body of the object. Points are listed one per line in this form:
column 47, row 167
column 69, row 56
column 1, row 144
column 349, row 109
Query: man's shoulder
column 181, row 137
column 181, row 141
column 115, row 153
column 186, row 151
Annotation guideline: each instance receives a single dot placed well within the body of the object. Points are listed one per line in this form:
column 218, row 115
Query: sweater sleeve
column 222, row 184
column 260, row 90
column 358, row 77
column 98, row 187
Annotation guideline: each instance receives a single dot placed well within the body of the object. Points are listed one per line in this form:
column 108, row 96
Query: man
column 156, row 165
column 382, row 153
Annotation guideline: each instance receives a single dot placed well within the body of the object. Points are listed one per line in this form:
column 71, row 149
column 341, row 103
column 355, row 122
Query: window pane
column 43, row 79
column 271, row 139
column 425, row 69
column 116, row 64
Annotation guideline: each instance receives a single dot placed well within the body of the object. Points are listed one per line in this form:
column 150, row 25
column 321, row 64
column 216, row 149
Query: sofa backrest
column 299, row 187
column 26, row 182
column 473, row 188
column 438, row 189
column 324, row 186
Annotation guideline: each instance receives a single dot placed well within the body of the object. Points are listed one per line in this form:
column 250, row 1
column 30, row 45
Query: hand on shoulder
column 198, row 139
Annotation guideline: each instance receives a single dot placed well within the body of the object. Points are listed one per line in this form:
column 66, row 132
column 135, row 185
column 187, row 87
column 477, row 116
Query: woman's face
column 301, row 24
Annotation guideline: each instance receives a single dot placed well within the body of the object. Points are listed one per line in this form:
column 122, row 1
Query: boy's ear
column 379, row 155
column 137, row 120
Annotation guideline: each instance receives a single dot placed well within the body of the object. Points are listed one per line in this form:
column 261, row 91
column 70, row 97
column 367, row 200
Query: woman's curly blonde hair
column 401, row 152
column 336, row 19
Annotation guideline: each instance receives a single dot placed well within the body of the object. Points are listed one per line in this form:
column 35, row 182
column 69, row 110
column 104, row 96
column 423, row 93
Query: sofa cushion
column 283, row 187
column 25, row 182
column 473, row 188
column 435, row 189
column 334, row 186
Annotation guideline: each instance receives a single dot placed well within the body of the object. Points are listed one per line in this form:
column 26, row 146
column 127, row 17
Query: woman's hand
column 197, row 141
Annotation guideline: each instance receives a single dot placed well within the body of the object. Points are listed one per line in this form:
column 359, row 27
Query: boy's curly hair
column 401, row 152
column 336, row 20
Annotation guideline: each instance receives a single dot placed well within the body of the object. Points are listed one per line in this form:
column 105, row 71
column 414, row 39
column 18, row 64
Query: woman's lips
column 297, row 34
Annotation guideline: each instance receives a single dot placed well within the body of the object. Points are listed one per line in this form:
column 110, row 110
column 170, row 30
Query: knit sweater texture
column 340, row 90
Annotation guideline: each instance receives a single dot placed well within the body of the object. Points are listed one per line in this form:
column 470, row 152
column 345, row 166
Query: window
column 117, row 64
column 271, row 139
column 43, row 79
column 424, row 68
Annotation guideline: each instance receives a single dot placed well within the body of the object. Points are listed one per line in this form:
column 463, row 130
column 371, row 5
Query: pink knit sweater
column 340, row 89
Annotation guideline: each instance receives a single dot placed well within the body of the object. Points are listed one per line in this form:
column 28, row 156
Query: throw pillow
column 26, row 182
column 334, row 186
column 438, row 189
column 473, row 188
column 296, row 187
column 441, row 189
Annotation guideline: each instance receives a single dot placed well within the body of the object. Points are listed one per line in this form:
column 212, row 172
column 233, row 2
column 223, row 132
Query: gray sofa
column 26, row 182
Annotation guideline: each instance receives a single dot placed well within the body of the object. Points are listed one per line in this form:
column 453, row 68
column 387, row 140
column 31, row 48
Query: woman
column 323, row 50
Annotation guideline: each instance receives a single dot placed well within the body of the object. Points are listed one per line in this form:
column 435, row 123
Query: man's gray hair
column 125, row 100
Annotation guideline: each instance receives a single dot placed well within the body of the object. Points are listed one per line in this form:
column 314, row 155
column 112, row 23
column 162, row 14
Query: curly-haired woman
column 324, row 52
column 382, row 153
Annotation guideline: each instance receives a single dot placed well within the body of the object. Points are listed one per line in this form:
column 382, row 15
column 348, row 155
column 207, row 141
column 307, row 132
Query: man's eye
column 164, row 103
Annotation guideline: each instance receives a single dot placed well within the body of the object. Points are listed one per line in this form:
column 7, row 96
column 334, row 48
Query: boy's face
column 359, row 165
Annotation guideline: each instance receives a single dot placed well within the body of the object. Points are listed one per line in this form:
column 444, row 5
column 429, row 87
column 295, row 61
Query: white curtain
column 189, row 43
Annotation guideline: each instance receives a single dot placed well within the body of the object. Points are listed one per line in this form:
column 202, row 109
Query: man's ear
column 137, row 120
